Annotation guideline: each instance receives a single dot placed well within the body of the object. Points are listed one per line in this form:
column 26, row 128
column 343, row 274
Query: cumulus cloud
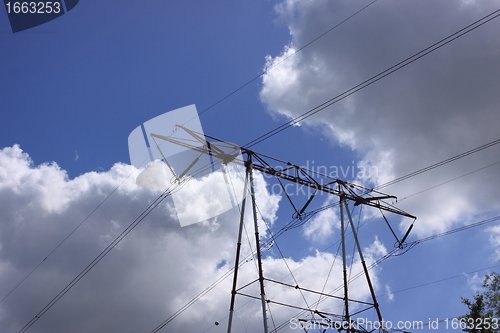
column 389, row 293
column 475, row 282
column 494, row 235
column 157, row 269
column 439, row 106
column 323, row 225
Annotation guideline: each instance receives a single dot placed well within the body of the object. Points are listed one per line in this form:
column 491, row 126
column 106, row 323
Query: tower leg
column 344, row 265
column 238, row 251
column 257, row 244
column 372, row 291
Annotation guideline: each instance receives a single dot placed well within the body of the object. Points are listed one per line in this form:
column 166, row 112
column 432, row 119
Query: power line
column 451, row 159
column 449, row 232
column 94, row 262
column 440, row 280
column 288, row 57
column 376, row 78
column 449, row 181
column 65, row 238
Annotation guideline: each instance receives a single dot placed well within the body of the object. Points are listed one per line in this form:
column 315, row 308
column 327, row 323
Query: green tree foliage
column 484, row 310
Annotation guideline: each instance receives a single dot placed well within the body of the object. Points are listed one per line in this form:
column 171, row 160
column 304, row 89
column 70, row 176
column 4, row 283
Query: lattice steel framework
column 226, row 152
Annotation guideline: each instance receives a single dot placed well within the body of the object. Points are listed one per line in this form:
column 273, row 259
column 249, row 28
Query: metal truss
column 224, row 153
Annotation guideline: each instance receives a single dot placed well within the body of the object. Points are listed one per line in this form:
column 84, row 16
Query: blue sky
column 74, row 88
column 111, row 68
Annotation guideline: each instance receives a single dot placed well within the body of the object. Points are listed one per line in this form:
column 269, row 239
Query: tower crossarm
column 225, row 152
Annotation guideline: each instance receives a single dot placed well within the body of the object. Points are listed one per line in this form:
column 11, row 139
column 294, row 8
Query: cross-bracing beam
column 228, row 152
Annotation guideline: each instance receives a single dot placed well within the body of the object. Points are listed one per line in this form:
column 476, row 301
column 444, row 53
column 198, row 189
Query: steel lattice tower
column 346, row 192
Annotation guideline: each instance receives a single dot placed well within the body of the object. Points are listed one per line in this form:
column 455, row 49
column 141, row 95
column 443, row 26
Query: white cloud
column 389, row 293
column 437, row 107
column 323, row 225
column 475, row 282
column 494, row 233
column 151, row 274
column 375, row 250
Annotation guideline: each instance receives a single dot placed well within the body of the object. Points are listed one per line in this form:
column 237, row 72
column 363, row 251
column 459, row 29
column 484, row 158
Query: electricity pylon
column 225, row 152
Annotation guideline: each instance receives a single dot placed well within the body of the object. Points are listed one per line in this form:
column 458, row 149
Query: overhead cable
column 94, row 262
column 376, row 78
column 287, row 57
column 65, row 239
column 451, row 159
